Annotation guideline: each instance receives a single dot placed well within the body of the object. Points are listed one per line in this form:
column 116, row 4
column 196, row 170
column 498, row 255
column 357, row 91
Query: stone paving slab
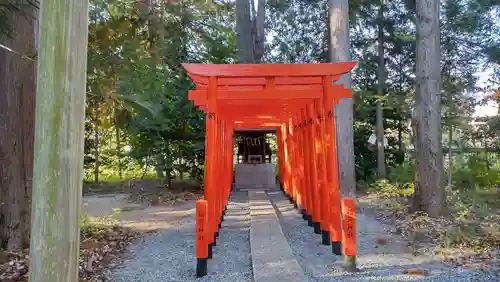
column 272, row 258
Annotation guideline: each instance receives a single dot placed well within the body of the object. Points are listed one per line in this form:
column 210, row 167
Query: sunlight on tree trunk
column 381, row 170
column 59, row 136
column 96, row 139
column 338, row 13
column 429, row 183
column 118, row 143
column 450, row 155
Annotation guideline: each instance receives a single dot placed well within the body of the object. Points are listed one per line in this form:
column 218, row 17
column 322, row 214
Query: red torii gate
column 297, row 100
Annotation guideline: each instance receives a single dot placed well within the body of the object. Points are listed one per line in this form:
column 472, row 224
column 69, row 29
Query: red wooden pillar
column 278, row 155
column 289, row 140
column 309, row 199
column 201, row 242
column 280, row 149
column 210, row 161
column 299, row 164
column 320, row 153
column 303, row 169
column 332, row 165
column 311, row 133
column 216, row 181
column 284, row 136
column 286, row 145
column 230, row 153
column 220, row 173
column 294, row 149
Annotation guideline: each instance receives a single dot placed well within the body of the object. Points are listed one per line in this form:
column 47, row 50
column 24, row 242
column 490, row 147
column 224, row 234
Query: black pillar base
column 220, row 225
column 325, row 237
column 309, row 220
column 201, row 267
column 317, row 229
column 216, row 234
column 210, row 252
column 222, row 218
column 215, row 239
column 304, row 216
column 337, row 248
column 295, row 205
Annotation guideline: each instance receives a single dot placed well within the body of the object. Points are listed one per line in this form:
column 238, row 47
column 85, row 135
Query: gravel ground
column 375, row 262
column 169, row 255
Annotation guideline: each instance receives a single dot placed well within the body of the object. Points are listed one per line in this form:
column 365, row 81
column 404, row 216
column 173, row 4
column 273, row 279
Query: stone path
column 272, row 258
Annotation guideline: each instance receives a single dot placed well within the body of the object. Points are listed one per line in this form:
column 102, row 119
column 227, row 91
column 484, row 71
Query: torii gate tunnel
column 296, row 100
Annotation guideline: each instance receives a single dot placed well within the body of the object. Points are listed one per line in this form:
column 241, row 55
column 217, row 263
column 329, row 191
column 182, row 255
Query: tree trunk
column 338, row 12
column 59, row 141
column 118, row 144
column 450, row 137
column 17, row 102
column 96, row 137
column 244, row 34
column 259, row 31
column 400, row 136
column 381, row 170
column 429, row 183
column 160, row 166
column 450, row 155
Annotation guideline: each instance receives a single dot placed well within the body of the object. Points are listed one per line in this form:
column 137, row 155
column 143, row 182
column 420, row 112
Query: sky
column 491, row 109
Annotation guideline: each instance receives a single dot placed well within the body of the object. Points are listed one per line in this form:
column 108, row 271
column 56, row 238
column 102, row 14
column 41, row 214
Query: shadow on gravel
column 169, row 255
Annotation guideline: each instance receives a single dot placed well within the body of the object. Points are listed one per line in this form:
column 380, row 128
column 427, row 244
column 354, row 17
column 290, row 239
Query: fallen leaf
column 381, row 240
column 421, row 272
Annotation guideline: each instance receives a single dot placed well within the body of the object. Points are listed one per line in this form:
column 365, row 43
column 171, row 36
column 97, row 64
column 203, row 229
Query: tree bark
column 381, row 169
column 160, row 166
column 59, row 141
column 17, row 102
column 259, row 31
column 118, row 143
column 426, row 122
column 244, row 34
column 338, row 12
column 450, row 155
column 96, row 139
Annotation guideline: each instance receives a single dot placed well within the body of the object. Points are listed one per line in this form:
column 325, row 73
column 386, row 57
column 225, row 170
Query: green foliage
column 403, row 174
column 385, row 189
column 137, row 87
column 478, row 173
column 477, row 220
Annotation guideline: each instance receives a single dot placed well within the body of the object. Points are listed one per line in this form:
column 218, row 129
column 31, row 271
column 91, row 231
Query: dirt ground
column 115, row 216
column 140, row 217
column 141, row 205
